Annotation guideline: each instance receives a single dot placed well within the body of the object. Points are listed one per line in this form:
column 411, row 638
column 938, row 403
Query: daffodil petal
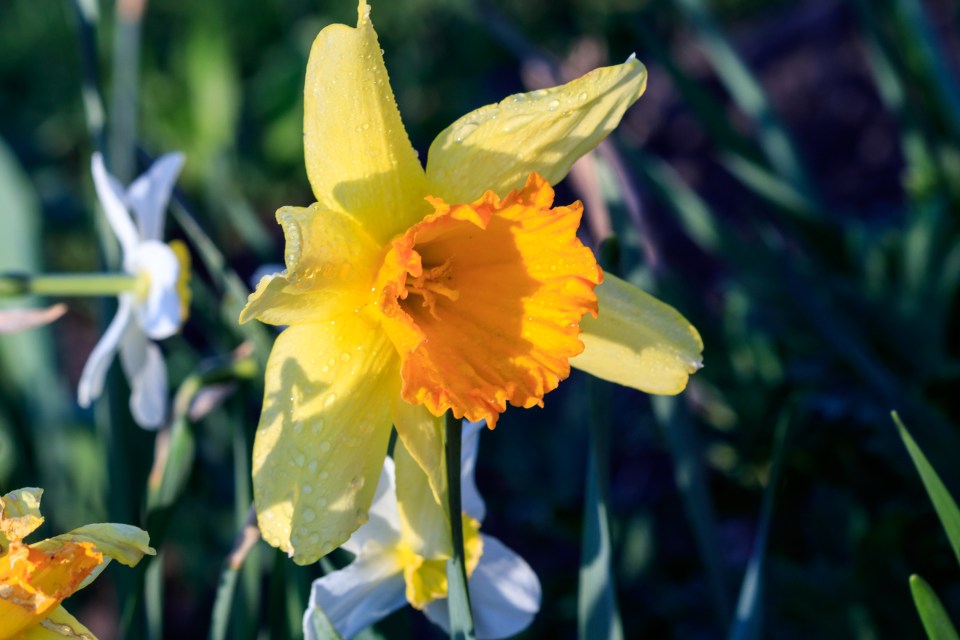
column 95, row 369
column 147, row 374
column 56, row 626
column 331, row 260
column 19, row 515
column 323, row 433
column 111, row 196
column 358, row 156
column 122, row 542
column 149, row 194
column 422, row 435
column 504, row 594
column 423, row 517
column 471, row 501
column 638, row 341
column 497, row 146
column 382, row 530
column 158, row 314
column 353, row 598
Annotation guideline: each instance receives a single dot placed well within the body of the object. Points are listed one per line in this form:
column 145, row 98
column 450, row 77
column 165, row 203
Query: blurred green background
column 790, row 181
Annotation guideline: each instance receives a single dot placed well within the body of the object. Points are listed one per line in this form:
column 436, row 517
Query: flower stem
column 66, row 284
column 461, row 615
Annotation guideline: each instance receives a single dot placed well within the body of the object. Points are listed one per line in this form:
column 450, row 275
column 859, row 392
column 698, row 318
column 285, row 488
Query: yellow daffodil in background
column 401, row 555
column 35, row 578
column 410, row 291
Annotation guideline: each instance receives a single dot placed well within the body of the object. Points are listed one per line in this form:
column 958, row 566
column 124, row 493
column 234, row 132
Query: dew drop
column 299, row 459
column 362, row 517
column 582, row 97
column 345, row 357
column 298, row 426
column 306, row 489
column 463, row 131
column 324, row 475
column 309, row 515
column 330, row 400
column 315, row 539
column 325, row 446
column 321, row 503
column 356, row 483
column 553, row 105
column 312, row 467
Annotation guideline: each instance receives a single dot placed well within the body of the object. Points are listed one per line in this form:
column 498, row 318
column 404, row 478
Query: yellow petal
column 19, row 515
column 122, row 542
column 34, row 581
column 57, row 626
column 482, row 301
column 424, row 525
column 323, row 433
column 359, row 158
column 422, row 436
column 638, row 341
column 331, row 261
column 496, row 147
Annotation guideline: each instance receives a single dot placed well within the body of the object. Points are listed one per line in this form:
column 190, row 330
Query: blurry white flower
column 157, row 308
column 388, row 572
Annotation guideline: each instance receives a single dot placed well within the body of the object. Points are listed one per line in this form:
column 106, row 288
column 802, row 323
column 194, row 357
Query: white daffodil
column 401, row 555
column 157, row 307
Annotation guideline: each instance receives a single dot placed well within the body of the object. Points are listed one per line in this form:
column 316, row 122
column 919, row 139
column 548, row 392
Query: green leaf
column 935, row 620
column 461, row 615
column 942, row 500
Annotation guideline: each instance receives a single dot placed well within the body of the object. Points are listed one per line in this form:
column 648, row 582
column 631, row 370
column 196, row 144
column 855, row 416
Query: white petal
column 149, row 194
column 159, row 313
column 382, row 530
column 504, row 592
column 111, row 199
column 471, row 502
column 95, row 370
column 147, row 374
column 360, row 594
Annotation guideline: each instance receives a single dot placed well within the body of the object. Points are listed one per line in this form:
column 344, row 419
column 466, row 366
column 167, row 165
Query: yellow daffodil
column 409, row 291
column 35, row 578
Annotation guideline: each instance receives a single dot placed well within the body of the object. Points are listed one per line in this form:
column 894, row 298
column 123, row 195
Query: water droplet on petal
column 582, row 97
column 309, row 515
column 325, row 446
column 553, row 105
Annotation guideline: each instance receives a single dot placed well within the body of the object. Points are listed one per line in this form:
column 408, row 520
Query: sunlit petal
column 382, row 530
column 422, row 435
column 360, row 594
column 331, row 261
column 122, row 542
column 19, row 515
column 95, row 369
column 638, row 341
column 323, row 434
column 357, row 153
column 496, row 147
column 504, row 593
column 149, row 194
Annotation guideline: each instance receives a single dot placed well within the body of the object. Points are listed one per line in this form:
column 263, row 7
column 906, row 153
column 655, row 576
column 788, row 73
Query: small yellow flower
column 410, row 290
column 36, row 578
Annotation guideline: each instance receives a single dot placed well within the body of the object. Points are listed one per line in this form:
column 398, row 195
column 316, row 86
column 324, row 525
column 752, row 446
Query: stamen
column 432, row 282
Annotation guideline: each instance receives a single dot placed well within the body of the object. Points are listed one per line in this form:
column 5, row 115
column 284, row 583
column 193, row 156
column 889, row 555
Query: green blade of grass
column 935, row 620
column 461, row 615
column 943, row 502
column 747, row 621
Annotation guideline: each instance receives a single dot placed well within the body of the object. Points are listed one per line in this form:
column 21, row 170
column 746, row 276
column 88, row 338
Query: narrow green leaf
column 943, row 502
column 458, row 597
column 747, row 623
column 935, row 620
column 597, row 613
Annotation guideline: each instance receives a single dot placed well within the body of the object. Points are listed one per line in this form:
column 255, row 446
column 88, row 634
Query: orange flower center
column 483, row 301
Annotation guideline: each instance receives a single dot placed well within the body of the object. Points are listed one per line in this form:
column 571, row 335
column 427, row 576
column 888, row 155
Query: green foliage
column 790, row 182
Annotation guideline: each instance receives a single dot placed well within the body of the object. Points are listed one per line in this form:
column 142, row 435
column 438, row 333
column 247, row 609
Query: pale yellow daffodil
column 35, row 578
column 410, row 291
